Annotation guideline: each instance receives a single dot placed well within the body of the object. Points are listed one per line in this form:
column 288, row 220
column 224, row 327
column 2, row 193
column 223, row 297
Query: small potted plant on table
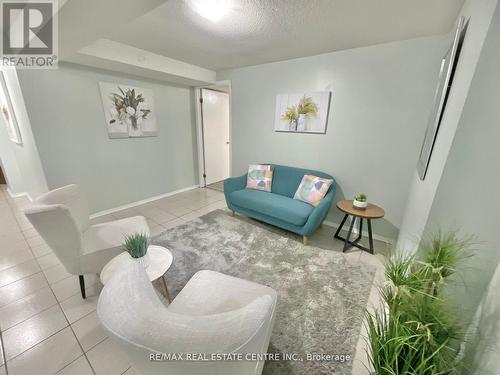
column 137, row 246
column 360, row 201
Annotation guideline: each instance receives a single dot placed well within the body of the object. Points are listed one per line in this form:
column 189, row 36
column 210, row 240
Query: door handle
column 227, row 143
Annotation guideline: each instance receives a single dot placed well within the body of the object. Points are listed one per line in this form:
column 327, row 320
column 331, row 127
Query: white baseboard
column 19, row 195
column 143, row 201
column 365, row 233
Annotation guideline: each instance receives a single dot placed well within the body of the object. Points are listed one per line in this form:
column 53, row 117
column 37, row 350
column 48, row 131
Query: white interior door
column 215, row 113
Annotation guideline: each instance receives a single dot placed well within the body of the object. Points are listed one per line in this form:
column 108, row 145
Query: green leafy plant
column 307, row 107
column 416, row 331
column 137, row 244
column 361, row 197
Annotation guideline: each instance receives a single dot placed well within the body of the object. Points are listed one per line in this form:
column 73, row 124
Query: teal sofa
column 278, row 206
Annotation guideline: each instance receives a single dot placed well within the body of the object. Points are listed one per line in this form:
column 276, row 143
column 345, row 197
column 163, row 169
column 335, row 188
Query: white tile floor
column 45, row 325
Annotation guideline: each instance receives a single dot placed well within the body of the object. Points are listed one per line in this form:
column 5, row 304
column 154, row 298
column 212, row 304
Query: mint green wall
column 67, row 118
column 381, row 97
column 467, row 199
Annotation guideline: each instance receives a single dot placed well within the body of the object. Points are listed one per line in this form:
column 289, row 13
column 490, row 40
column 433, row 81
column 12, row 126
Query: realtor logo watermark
column 29, row 34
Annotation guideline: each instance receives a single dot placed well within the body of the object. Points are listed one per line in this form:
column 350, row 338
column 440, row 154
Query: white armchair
column 61, row 217
column 214, row 313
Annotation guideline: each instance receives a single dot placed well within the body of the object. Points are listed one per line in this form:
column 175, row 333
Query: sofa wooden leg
column 82, row 286
column 305, row 240
column 233, row 213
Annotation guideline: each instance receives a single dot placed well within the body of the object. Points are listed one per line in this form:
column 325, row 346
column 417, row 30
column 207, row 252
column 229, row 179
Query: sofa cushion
column 286, row 180
column 312, row 189
column 259, row 177
column 278, row 206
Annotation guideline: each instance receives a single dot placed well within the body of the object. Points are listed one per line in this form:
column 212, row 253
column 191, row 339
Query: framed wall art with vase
column 302, row 113
column 129, row 110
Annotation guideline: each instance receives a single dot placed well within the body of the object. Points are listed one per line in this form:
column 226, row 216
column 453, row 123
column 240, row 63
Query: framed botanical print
column 129, row 110
column 305, row 112
column 8, row 112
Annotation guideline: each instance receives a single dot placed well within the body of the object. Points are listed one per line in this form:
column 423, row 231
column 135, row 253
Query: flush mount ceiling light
column 212, row 10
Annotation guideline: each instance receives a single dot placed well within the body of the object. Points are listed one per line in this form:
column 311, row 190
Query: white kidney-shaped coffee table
column 160, row 261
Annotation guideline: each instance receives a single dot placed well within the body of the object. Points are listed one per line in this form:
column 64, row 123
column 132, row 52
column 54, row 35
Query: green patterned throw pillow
column 260, row 177
column 312, row 189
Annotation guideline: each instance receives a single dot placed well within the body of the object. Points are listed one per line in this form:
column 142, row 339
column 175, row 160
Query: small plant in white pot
column 360, row 201
column 137, row 246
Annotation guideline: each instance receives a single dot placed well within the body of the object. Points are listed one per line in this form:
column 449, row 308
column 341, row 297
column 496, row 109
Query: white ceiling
column 260, row 31
column 167, row 40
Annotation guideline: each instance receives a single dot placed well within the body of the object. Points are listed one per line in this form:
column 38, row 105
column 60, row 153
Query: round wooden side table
column 161, row 260
column 369, row 213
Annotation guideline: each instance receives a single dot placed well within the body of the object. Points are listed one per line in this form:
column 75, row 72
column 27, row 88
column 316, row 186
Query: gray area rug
column 321, row 294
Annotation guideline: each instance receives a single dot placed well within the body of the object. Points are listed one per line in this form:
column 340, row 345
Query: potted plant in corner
column 137, row 246
column 417, row 330
column 360, row 201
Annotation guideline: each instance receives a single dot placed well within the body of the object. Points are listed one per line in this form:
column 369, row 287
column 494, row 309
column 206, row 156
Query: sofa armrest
column 233, row 184
column 319, row 213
